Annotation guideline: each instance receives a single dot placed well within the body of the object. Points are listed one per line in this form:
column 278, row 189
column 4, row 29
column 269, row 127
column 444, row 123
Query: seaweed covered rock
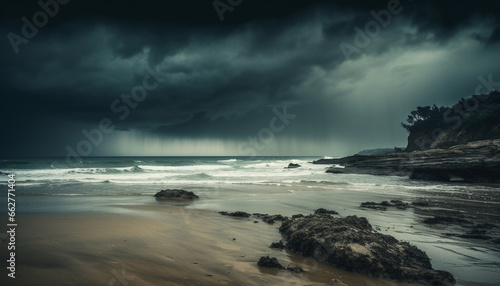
column 175, row 194
column 350, row 243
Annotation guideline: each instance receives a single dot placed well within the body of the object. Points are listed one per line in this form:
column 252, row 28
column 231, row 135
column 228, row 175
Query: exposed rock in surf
column 236, row 214
column 175, row 194
column 438, row 219
column 385, row 204
column 350, row 243
column 420, row 204
column 480, row 231
column 293, row 166
column 270, row 219
column 325, row 211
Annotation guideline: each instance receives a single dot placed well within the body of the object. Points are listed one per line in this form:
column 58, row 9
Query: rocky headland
column 477, row 161
column 458, row 143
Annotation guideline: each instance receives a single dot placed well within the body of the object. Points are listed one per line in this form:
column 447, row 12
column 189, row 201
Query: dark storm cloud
column 219, row 76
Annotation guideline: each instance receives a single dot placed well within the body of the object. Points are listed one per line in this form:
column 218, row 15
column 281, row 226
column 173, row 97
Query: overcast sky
column 233, row 77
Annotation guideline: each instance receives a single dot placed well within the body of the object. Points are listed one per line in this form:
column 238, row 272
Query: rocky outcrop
column 293, row 166
column 175, row 194
column 350, row 243
column 477, row 161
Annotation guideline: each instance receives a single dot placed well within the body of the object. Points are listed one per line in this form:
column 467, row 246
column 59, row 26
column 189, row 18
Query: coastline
column 103, row 217
column 160, row 242
column 158, row 245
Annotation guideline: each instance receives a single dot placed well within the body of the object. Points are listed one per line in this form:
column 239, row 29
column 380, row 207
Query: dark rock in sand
column 236, row 214
column 350, row 243
column 175, row 194
column 373, row 205
column 385, row 204
column 295, row 269
column 438, row 219
column 420, row 204
column 279, row 245
column 297, row 216
column 334, row 170
column 486, row 226
column 269, row 262
column 472, row 234
column 293, row 166
column 270, row 219
column 272, row 262
column 475, row 233
column 325, row 211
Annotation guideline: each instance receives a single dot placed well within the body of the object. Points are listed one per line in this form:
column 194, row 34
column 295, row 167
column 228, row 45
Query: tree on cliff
column 473, row 118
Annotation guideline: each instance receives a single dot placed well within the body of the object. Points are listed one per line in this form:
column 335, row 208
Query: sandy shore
column 156, row 245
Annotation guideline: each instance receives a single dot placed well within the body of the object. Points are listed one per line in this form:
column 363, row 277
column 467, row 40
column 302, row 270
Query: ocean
column 263, row 184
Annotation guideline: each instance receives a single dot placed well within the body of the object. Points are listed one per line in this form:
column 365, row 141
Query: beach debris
column 325, row 211
column 350, row 243
column 175, row 194
column 293, row 166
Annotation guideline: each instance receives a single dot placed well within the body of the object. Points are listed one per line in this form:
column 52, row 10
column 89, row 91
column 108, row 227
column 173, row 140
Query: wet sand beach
column 157, row 245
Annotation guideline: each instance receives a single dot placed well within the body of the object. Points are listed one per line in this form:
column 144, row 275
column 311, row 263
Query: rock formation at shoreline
column 350, row 243
column 477, row 161
column 175, row 194
column 270, row 219
column 458, row 143
column 293, row 166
